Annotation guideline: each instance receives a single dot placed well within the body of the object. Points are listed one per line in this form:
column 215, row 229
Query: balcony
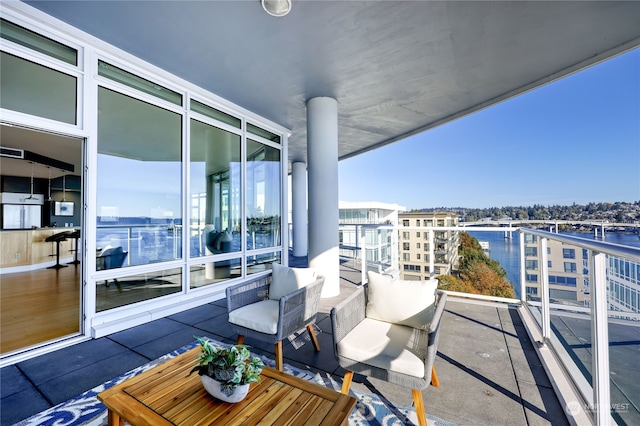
column 496, row 361
column 487, row 364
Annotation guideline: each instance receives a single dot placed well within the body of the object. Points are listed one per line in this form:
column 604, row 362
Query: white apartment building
column 381, row 244
column 568, row 272
column 415, row 249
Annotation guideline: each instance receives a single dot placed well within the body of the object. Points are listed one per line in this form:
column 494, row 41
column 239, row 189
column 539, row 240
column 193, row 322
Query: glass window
column 263, row 196
column 149, row 87
column 570, row 267
column 37, row 90
column 569, row 253
column 262, row 133
column 531, row 278
column 531, row 264
column 130, row 289
column 213, row 272
column 405, row 222
column 406, row 246
column 405, row 235
column 262, row 262
column 139, row 197
column 528, row 238
column 215, row 114
column 37, row 42
column 531, row 251
column 215, row 223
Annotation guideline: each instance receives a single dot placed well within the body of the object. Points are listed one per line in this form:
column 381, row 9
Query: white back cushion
column 410, row 303
column 285, row 280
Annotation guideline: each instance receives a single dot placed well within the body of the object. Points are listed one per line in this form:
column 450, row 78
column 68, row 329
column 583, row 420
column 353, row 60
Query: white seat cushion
column 384, row 345
column 260, row 316
column 285, row 280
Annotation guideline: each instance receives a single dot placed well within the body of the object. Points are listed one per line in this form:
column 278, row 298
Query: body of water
column 507, row 250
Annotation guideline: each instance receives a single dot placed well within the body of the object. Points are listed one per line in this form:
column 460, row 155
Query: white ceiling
column 396, row 67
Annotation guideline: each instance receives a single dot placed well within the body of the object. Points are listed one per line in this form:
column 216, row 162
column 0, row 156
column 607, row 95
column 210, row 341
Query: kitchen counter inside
column 28, row 247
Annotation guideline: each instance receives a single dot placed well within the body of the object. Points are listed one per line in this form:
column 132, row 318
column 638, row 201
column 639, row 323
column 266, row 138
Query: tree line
column 477, row 273
column 615, row 212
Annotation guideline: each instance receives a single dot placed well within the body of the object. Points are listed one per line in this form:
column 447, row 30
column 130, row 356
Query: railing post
column 363, row 261
column 546, row 311
column 523, row 271
column 600, row 339
column 432, row 253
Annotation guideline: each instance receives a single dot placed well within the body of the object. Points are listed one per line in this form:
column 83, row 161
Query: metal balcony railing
column 593, row 331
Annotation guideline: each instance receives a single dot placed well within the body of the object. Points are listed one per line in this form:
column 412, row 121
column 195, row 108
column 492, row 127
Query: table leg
column 113, row 419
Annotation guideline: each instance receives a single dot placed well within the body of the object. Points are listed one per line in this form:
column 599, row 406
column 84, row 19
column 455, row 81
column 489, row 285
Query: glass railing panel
column 624, row 338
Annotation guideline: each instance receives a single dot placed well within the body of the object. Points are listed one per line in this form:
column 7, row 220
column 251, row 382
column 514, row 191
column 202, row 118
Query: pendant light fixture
column 31, row 197
column 49, row 199
column 64, row 188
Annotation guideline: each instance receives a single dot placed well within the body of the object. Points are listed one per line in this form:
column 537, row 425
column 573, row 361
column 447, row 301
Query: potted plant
column 226, row 373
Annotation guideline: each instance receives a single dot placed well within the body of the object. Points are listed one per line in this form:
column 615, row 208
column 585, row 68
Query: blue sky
column 576, row 140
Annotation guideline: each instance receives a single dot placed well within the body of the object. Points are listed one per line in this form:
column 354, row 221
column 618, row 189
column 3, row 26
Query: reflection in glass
column 263, row 196
column 214, row 272
column 37, row 90
column 215, row 224
column 262, row 262
column 136, row 288
column 139, row 179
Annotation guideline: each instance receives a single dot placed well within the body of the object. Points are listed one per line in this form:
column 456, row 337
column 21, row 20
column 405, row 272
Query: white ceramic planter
column 213, row 387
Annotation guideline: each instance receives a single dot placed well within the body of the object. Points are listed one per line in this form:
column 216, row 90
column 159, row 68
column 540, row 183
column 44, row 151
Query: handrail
column 598, row 246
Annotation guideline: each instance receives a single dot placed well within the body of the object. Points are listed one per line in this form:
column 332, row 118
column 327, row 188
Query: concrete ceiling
column 396, row 67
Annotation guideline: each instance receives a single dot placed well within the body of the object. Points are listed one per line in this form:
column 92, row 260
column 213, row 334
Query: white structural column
column 322, row 159
column 299, row 208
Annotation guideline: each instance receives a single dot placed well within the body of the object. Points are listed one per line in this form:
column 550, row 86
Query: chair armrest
column 441, row 300
column 348, row 314
column 249, row 292
column 299, row 308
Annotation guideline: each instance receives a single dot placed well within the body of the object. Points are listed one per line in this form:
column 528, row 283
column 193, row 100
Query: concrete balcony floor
column 488, row 368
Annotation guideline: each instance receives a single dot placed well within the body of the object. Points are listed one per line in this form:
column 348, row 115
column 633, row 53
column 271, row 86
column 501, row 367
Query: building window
column 532, row 291
column 417, row 245
column 570, row 267
column 405, row 222
column 418, row 256
column 565, row 281
column 531, row 264
column 216, row 221
column 562, row 294
column 139, row 175
column 34, row 89
column 412, row 268
column 418, row 234
column 531, row 251
column 406, row 246
column 405, row 235
column 263, row 192
column 406, row 257
column 531, row 278
column 417, row 222
column 569, row 253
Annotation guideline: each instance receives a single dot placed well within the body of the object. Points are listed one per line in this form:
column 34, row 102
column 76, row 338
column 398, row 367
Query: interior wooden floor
column 38, row 306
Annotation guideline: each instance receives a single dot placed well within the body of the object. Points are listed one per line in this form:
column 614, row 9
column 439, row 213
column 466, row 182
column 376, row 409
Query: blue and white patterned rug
column 86, row 410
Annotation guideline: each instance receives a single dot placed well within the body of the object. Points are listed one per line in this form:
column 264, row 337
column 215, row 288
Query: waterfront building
column 569, row 277
column 415, row 244
column 381, row 244
column 568, row 271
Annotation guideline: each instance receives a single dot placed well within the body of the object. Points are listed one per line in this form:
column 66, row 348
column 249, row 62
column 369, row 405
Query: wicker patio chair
column 391, row 352
column 256, row 312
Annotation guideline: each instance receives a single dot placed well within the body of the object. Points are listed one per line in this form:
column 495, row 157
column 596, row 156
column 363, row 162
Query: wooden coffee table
column 168, row 395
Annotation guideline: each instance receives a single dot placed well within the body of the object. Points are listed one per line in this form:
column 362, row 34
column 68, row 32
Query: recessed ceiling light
column 276, row 7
